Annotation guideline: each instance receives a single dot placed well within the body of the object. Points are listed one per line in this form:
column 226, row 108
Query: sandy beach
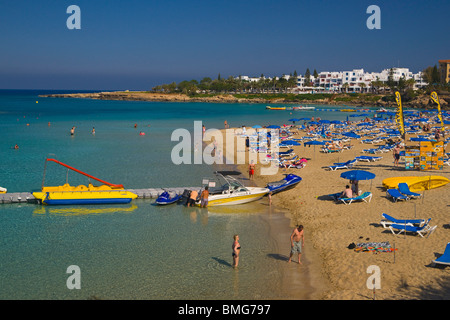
column 337, row 272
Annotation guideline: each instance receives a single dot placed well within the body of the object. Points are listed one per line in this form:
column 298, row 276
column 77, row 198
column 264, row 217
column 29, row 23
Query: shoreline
column 422, row 101
column 309, row 276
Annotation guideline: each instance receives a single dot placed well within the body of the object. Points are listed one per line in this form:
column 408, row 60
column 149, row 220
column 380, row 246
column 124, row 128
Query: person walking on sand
column 236, row 250
column 251, row 170
column 204, row 198
column 396, row 154
column 297, row 243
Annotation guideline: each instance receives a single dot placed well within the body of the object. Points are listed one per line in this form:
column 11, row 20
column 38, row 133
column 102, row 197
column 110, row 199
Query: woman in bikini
column 236, row 250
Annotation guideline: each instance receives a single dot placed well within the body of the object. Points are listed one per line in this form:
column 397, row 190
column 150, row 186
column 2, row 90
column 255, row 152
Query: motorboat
column 3, row 190
column 166, row 198
column 304, row 108
column 107, row 193
column 289, row 181
column 226, row 189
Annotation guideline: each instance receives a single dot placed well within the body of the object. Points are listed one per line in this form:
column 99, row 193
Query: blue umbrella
column 314, row 142
column 336, row 122
column 358, row 175
column 351, row 135
column 294, row 119
column 324, row 121
column 273, row 127
column 314, row 122
column 257, row 127
column 290, row 143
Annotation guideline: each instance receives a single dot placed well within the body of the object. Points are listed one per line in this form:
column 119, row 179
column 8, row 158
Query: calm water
column 135, row 251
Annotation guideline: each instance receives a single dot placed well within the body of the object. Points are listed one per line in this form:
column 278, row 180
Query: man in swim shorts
column 297, row 242
column 192, row 198
column 204, row 198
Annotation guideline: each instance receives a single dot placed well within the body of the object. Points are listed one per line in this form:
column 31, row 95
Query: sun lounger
column 445, row 258
column 396, row 195
column 389, row 220
column 368, row 158
column 362, row 197
column 404, row 189
column 343, row 165
column 422, row 230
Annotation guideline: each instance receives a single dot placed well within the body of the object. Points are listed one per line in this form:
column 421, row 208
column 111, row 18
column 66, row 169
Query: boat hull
column 416, row 184
column 84, row 197
column 227, row 199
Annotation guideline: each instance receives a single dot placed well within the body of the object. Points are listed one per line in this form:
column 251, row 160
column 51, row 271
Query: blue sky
column 138, row 44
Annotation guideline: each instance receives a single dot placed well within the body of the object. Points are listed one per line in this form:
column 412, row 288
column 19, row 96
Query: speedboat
column 66, row 194
column 304, row 108
column 289, row 181
column 276, row 108
column 230, row 191
column 166, row 198
column 3, row 190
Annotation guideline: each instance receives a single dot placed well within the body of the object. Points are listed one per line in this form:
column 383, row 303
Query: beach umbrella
column 313, row 122
column 294, row 119
column 420, row 139
column 257, row 127
column 358, row 175
column 290, row 143
column 273, row 127
column 314, row 143
column 336, row 122
column 304, row 119
column 351, row 134
column 324, row 121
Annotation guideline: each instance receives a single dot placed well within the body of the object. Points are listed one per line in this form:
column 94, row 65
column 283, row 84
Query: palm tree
column 362, row 85
column 345, row 86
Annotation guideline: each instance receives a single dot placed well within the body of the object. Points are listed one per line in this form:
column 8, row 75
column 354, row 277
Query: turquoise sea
column 135, row 251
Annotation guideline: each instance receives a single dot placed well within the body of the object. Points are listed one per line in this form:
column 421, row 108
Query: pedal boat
column 66, row 194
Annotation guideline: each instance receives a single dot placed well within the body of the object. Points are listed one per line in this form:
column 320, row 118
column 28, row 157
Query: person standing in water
column 72, row 131
column 297, row 242
column 236, row 250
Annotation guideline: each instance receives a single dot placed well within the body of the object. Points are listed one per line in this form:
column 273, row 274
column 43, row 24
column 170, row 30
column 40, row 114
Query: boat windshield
column 223, row 182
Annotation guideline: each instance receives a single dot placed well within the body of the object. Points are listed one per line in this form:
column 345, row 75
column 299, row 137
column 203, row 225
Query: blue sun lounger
column 368, row 158
column 404, row 189
column 425, row 228
column 343, row 165
column 445, row 258
column 396, row 195
column 389, row 220
column 362, row 197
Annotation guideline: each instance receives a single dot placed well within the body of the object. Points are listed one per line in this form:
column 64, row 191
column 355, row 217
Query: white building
column 356, row 80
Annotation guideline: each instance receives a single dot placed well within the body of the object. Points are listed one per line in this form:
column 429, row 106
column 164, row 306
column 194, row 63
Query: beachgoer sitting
column 347, row 193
